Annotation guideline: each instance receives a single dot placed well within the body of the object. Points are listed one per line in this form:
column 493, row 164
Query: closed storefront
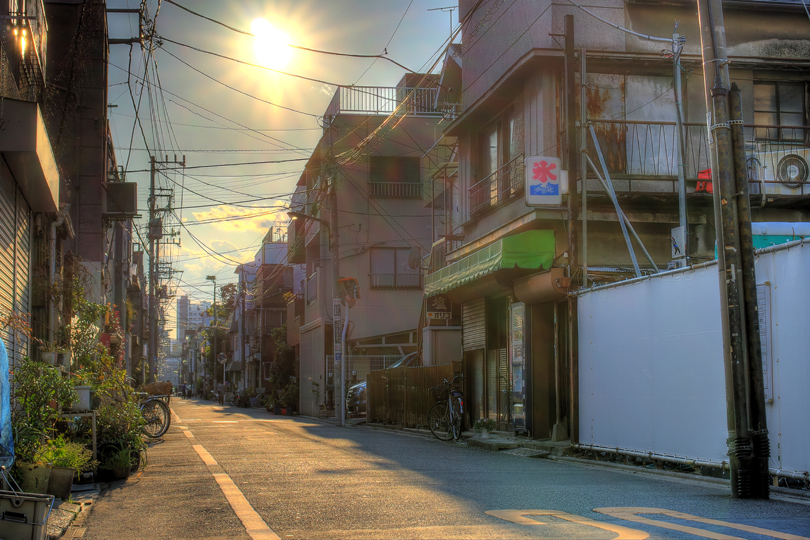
column 15, row 247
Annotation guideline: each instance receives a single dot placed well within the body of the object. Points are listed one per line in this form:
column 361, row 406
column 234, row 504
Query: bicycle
column 445, row 417
column 156, row 413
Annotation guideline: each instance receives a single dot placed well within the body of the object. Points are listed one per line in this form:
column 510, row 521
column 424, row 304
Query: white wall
column 651, row 363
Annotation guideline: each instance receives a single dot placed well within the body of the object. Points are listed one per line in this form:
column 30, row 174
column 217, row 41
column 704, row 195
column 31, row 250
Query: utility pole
column 214, row 350
column 748, row 448
column 155, row 235
column 337, row 307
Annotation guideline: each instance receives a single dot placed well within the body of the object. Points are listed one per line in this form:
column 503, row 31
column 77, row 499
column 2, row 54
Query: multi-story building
column 362, row 189
column 565, row 106
column 260, row 307
column 189, row 315
column 64, row 201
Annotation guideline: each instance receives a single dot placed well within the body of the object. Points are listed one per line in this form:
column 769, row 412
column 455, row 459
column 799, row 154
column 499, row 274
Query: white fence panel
column 651, row 362
column 783, row 276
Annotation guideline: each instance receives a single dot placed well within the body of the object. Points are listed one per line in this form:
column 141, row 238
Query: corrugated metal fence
column 402, row 395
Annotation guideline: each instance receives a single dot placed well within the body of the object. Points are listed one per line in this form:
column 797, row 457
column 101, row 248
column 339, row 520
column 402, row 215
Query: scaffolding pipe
column 622, row 215
column 612, row 194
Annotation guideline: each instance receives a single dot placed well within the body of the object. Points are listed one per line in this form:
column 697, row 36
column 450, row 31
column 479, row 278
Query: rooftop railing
column 373, row 100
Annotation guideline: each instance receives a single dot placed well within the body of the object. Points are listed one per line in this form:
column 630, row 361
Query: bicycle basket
column 440, row 393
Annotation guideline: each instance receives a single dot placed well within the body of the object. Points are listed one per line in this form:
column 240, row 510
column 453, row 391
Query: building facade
column 568, row 123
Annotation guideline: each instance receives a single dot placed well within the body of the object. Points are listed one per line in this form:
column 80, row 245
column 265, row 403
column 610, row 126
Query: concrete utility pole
column 748, row 448
column 214, row 351
column 155, row 235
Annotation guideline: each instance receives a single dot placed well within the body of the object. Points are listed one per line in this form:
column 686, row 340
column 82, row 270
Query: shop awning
column 530, row 250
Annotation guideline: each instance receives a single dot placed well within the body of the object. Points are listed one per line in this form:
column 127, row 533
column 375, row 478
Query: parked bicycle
column 155, row 411
column 446, row 416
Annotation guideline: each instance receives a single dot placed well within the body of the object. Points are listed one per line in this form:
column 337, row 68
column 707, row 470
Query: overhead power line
column 299, row 47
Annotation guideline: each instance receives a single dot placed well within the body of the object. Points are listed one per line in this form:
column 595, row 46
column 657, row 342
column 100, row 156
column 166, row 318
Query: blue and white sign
column 544, row 181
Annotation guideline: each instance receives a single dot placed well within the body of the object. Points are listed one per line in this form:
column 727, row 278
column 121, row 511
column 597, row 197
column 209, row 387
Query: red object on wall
column 703, row 186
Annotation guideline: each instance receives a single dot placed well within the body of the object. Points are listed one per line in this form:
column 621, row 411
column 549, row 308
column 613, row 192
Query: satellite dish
column 414, row 258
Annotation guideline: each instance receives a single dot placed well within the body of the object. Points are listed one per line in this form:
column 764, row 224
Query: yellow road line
column 254, row 525
column 630, row 515
column 519, row 517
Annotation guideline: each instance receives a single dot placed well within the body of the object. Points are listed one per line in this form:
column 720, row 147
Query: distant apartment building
column 190, row 315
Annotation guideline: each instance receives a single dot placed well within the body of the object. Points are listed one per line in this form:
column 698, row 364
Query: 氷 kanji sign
column 543, row 179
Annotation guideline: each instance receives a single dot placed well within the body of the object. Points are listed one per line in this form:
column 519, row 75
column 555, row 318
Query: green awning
column 530, row 250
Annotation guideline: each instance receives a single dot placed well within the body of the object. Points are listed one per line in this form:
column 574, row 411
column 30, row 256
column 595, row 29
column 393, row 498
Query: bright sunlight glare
column 271, row 46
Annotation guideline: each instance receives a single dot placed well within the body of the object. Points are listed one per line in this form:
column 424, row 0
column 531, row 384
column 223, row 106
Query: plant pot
column 485, row 434
column 49, row 357
column 84, row 403
column 121, row 473
column 34, row 477
column 60, row 482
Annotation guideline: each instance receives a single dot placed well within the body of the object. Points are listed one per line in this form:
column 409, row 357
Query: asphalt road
column 223, row 472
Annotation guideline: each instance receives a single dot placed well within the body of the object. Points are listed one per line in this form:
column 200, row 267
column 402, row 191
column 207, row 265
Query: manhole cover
column 526, row 452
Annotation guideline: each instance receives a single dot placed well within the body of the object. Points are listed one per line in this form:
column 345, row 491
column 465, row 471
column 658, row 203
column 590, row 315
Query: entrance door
column 543, row 394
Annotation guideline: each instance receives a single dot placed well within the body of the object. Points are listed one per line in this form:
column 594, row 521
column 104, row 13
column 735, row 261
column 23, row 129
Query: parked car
column 356, row 395
column 356, row 398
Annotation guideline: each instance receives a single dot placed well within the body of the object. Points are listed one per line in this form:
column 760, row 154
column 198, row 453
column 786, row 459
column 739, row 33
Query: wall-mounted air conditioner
column 781, row 169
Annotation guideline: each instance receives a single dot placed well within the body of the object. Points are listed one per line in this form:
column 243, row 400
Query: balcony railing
column 396, row 281
column 312, row 288
column 642, row 156
column 384, row 100
column 396, row 190
column 498, row 188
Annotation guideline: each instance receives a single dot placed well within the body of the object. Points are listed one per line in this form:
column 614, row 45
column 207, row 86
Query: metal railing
column 645, row 152
column 358, row 366
column 396, row 281
column 499, row 187
column 396, row 190
column 384, row 100
column 312, row 288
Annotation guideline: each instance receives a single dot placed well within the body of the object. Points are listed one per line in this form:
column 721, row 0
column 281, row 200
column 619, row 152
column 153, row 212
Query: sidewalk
column 67, row 516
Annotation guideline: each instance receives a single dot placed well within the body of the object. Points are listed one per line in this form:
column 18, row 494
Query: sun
column 271, row 47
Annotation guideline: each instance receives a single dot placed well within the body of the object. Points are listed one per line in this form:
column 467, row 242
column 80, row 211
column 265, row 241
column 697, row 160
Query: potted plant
column 119, row 463
column 66, row 459
column 36, row 387
column 485, row 426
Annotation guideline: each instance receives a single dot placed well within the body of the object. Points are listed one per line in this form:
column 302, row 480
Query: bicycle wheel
column 439, row 422
column 157, row 416
column 456, row 424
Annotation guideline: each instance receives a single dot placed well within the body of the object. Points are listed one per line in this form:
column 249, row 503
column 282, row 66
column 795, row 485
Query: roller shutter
column 473, row 324
column 15, row 249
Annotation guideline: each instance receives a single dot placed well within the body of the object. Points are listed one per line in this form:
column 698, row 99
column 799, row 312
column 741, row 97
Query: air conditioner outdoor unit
column 782, row 169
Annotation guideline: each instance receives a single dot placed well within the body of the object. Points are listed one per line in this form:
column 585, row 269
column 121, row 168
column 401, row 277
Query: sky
column 244, row 111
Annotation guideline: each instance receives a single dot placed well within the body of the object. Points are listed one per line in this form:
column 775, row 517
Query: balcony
column 642, row 157
column 373, row 100
column 500, row 187
column 395, row 190
column 396, row 281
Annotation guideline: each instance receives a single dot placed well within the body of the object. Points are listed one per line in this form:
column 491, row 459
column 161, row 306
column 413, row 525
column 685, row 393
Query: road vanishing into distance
column 225, row 472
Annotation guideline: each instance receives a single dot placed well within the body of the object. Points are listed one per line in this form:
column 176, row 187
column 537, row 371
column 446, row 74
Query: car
column 356, row 395
column 356, row 398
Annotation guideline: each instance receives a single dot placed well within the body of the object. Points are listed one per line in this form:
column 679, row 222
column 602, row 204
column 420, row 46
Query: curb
column 67, row 517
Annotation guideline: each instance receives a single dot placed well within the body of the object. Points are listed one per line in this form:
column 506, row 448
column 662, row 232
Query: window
column 395, row 177
column 500, row 166
column 779, row 104
column 389, row 270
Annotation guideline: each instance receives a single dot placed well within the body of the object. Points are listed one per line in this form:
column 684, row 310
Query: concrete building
column 555, row 97
column 362, row 188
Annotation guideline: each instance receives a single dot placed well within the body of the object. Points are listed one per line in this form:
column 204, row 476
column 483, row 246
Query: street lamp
column 214, row 351
column 338, row 339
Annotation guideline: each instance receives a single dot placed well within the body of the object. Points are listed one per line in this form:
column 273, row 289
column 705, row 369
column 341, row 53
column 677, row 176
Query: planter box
column 60, row 482
column 84, row 403
column 24, row 516
column 49, row 357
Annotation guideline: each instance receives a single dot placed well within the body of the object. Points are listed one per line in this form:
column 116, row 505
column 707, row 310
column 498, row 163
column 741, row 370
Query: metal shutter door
column 472, row 323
